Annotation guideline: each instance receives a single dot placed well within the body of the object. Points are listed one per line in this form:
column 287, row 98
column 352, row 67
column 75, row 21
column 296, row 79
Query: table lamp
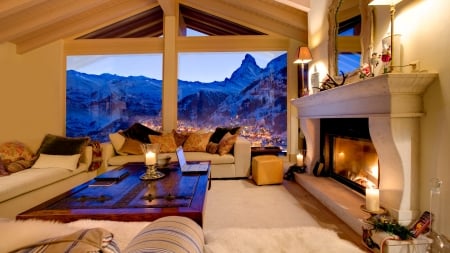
column 303, row 56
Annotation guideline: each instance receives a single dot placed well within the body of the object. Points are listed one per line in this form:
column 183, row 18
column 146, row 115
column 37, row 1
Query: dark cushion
column 220, row 132
column 139, row 132
column 59, row 145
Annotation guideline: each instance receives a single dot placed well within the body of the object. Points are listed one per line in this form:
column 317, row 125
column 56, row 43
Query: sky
column 204, row 67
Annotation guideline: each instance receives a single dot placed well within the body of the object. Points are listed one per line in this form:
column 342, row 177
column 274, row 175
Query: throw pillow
column 197, row 142
column 14, row 150
column 180, row 138
column 19, row 165
column 3, row 171
column 140, row 132
column 59, row 145
column 132, row 147
column 167, row 142
column 212, row 147
column 69, row 162
column 85, row 240
column 117, row 140
column 221, row 131
column 168, row 234
column 227, row 143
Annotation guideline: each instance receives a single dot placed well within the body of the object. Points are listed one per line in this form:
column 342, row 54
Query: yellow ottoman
column 267, row 169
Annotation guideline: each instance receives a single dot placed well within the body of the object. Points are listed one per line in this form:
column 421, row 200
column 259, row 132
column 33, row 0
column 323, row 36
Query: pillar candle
column 372, row 199
column 150, row 158
column 299, row 160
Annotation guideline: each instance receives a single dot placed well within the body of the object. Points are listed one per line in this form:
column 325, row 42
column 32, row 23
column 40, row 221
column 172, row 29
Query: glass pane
column 106, row 93
column 235, row 89
column 348, row 62
column 356, row 160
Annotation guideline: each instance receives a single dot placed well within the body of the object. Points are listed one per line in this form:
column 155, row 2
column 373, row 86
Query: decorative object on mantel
column 368, row 69
column 391, row 48
column 330, row 82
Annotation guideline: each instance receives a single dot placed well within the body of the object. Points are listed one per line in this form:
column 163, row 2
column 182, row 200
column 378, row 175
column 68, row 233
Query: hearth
column 348, row 153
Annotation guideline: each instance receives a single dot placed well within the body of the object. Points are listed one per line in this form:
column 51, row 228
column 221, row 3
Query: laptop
column 191, row 167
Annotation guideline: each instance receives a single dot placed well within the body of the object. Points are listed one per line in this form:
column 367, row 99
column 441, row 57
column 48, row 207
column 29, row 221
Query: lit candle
column 299, row 160
column 150, row 158
column 372, row 199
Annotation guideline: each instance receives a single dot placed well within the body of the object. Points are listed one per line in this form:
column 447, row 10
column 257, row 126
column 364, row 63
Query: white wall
column 423, row 26
column 31, row 94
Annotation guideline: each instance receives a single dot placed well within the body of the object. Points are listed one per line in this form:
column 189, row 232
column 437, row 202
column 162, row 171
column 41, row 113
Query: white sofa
column 235, row 165
column 25, row 189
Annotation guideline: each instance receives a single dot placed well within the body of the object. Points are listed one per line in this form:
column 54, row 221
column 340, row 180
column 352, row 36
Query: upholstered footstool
column 267, row 169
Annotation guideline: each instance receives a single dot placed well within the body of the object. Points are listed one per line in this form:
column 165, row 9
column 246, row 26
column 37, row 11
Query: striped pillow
column 85, row 240
column 168, row 234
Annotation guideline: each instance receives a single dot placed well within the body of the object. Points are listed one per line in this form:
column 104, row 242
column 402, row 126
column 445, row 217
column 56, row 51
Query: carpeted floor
column 240, row 204
column 239, row 217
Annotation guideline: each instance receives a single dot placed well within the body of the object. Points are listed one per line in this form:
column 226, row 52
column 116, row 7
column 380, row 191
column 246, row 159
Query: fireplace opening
column 348, row 153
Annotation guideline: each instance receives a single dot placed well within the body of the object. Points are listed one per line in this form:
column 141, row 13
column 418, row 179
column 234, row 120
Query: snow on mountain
column 252, row 96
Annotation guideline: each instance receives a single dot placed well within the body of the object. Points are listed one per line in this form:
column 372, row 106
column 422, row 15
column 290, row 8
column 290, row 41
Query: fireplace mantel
column 394, row 94
column 393, row 104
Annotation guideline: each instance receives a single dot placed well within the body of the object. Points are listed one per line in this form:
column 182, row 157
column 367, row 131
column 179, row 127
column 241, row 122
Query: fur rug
column 297, row 239
column 21, row 233
column 286, row 240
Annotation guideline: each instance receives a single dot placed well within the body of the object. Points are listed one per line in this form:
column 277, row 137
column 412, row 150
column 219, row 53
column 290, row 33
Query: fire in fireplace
column 348, row 153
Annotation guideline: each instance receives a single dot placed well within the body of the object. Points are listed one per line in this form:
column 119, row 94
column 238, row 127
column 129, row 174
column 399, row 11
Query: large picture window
column 106, row 93
column 235, row 89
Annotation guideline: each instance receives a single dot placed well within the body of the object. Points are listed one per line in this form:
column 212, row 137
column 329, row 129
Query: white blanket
column 297, row 239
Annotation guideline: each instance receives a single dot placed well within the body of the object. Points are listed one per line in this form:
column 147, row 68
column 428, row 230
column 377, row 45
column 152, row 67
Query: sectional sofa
column 229, row 153
column 231, row 165
column 50, row 176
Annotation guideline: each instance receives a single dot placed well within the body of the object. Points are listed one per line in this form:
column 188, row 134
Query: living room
column 33, row 93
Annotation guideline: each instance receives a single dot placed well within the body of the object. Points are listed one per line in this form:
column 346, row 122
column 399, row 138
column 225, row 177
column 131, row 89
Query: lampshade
column 303, row 55
column 384, row 2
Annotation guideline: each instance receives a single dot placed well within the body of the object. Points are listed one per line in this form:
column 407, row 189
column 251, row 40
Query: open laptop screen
column 180, row 155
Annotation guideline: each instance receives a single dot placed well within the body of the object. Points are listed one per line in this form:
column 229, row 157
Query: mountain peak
column 247, row 71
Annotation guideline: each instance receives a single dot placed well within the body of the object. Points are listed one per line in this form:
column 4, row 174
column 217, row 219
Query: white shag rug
column 228, row 240
column 280, row 240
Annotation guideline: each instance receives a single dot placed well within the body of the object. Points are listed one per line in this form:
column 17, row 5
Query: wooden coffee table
column 130, row 199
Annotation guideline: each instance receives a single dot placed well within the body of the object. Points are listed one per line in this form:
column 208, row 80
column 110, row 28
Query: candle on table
column 372, row 199
column 150, row 158
column 299, row 159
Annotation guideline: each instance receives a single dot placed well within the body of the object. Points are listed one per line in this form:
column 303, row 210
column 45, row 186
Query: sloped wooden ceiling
column 33, row 23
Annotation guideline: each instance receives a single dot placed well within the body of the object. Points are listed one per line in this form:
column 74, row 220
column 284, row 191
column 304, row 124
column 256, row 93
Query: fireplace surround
column 393, row 105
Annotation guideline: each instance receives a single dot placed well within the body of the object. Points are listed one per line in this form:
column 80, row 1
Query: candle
column 299, row 160
column 150, row 158
column 372, row 199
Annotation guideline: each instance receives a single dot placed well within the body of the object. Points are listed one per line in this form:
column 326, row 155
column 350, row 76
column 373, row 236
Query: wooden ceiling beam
column 11, row 7
column 248, row 18
column 40, row 16
column 169, row 7
column 109, row 13
column 276, row 11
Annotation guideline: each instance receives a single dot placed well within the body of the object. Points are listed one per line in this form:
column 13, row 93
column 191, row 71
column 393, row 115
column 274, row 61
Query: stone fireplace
column 392, row 103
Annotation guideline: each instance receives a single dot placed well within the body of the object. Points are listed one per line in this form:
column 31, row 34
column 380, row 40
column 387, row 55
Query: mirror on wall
column 350, row 35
